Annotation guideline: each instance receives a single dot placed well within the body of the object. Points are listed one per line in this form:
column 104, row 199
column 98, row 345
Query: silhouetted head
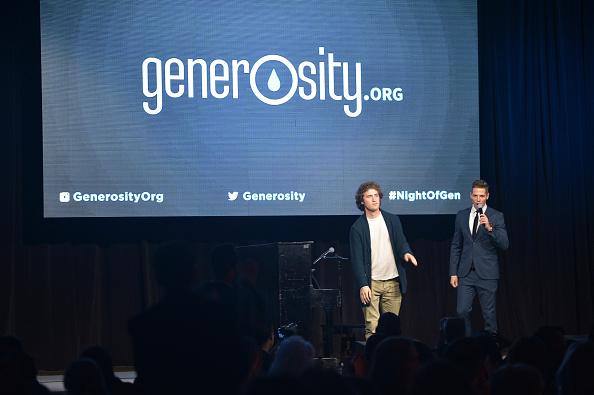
column 488, row 345
column 531, row 351
column 490, row 349
column 553, row 337
column 325, row 381
column 443, row 378
column 455, row 328
column 84, row 377
column 372, row 343
column 575, row 375
column 274, row 385
column 9, row 343
column 17, row 369
column 394, row 365
column 389, row 324
column 223, row 262
column 101, row 358
column 174, row 266
column 425, row 353
column 518, row 379
column 294, row 356
column 467, row 353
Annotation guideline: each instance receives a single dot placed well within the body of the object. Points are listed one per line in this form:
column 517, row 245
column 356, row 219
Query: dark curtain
column 66, row 285
column 537, row 149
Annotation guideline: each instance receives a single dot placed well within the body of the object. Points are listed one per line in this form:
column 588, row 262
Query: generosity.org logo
column 223, row 78
column 112, row 197
column 268, row 196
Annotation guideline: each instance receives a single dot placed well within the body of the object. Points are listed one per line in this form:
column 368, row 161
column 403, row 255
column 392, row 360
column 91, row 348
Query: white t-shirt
column 383, row 264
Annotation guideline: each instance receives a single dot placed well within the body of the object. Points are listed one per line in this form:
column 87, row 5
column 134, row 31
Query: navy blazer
column 360, row 243
column 482, row 250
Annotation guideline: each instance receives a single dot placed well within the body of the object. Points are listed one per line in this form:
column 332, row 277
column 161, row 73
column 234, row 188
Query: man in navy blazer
column 474, row 268
column 378, row 247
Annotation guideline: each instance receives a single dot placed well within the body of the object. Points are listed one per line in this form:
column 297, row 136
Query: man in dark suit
column 474, row 268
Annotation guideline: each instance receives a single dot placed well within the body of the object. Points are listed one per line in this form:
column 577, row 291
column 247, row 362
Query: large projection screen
column 257, row 108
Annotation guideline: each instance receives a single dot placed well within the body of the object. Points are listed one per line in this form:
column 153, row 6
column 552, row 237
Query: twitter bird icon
column 232, row 195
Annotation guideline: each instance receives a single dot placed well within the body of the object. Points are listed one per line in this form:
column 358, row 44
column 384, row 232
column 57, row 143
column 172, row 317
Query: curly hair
column 364, row 188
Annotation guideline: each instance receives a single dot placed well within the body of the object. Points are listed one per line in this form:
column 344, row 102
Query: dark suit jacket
column 360, row 242
column 482, row 250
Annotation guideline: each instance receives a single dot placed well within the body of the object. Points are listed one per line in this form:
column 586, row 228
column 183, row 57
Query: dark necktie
column 474, row 225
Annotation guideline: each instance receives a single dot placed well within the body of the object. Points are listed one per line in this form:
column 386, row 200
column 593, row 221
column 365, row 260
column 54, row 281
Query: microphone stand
column 340, row 259
column 314, row 282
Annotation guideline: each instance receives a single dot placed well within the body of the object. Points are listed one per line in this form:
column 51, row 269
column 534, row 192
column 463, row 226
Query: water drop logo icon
column 273, row 76
column 273, row 81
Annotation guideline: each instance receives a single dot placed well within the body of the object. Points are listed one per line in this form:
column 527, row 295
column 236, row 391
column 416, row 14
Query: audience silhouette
column 450, row 329
column 490, row 350
column 233, row 288
column 466, row 353
column 441, row 377
column 293, row 357
column 576, row 373
column 178, row 359
column 84, row 377
column 18, row 374
column 394, row 365
column 224, row 267
column 101, row 357
column 518, row 379
column 9, row 343
column 553, row 337
column 389, row 324
column 181, row 342
column 218, row 339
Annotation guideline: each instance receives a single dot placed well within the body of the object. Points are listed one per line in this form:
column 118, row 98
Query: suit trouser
column 487, row 290
column 385, row 296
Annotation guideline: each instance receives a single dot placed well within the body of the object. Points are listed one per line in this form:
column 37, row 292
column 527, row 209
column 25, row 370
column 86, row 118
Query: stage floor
column 54, row 381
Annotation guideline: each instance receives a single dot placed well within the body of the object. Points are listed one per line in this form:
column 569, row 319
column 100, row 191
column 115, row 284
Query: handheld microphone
column 479, row 208
column 330, row 251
